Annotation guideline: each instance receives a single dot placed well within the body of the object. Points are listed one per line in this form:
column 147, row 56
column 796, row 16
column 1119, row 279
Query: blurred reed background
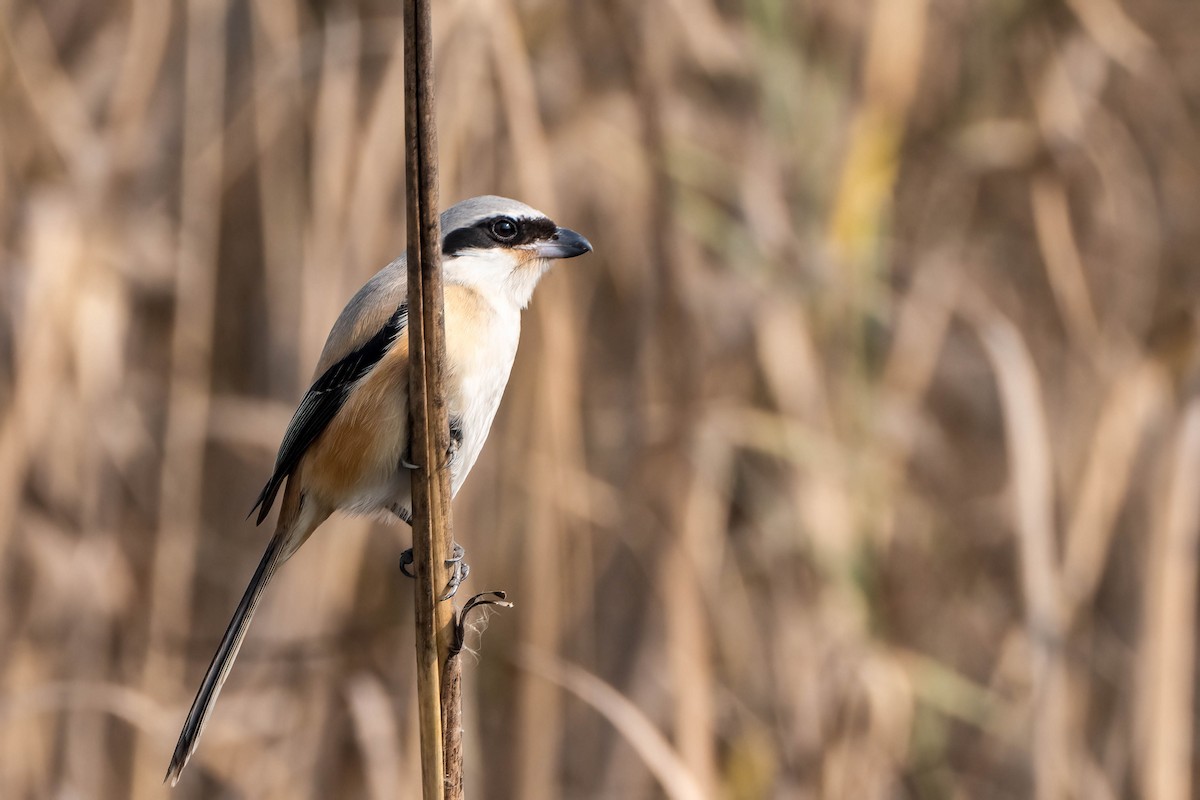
column 861, row 460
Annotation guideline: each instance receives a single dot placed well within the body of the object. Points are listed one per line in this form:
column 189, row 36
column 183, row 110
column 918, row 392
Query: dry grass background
column 862, row 460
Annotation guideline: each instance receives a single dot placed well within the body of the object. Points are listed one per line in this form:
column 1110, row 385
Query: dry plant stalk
column 427, row 403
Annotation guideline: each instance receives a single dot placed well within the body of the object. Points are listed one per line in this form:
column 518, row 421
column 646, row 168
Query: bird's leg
column 459, row 569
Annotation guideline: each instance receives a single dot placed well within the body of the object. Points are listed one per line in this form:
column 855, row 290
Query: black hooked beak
column 565, row 243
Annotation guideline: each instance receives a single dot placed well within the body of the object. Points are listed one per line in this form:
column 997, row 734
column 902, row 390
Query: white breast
column 481, row 368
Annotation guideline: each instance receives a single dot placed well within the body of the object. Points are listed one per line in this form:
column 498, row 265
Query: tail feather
column 223, row 659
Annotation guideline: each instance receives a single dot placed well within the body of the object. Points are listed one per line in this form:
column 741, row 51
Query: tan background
column 861, row 460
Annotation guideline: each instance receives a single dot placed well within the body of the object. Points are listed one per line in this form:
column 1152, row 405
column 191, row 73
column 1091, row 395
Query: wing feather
column 323, row 401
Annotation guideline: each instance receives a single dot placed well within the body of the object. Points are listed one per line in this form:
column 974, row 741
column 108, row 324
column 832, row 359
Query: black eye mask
column 489, row 233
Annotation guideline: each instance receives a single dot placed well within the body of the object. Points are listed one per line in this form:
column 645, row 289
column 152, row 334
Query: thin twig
column 452, row 727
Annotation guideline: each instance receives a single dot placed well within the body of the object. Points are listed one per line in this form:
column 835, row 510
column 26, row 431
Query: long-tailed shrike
column 347, row 447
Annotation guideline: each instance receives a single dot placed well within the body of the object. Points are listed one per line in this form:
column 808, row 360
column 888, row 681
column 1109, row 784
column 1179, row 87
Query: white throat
column 497, row 274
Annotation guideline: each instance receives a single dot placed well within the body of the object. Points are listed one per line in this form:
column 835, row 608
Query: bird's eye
column 504, row 229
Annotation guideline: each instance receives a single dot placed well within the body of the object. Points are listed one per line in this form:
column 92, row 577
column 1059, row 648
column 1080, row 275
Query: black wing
column 323, row 401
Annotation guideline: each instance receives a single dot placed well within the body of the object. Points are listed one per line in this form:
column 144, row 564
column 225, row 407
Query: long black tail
column 222, row 660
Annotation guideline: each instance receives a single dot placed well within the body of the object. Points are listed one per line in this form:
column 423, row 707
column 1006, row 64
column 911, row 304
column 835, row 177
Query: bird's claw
column 459, row 569
column 406, row 461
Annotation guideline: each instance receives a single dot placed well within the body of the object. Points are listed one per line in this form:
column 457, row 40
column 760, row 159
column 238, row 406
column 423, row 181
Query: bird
column 347, row 446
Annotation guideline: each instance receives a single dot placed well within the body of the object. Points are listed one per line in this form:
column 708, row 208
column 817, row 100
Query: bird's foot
column 459, row 569
column 454, row 441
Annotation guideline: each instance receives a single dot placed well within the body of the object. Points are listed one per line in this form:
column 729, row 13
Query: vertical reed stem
column 427, row 402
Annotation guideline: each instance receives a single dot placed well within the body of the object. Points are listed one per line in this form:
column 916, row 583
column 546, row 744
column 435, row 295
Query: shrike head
column 503, row 247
